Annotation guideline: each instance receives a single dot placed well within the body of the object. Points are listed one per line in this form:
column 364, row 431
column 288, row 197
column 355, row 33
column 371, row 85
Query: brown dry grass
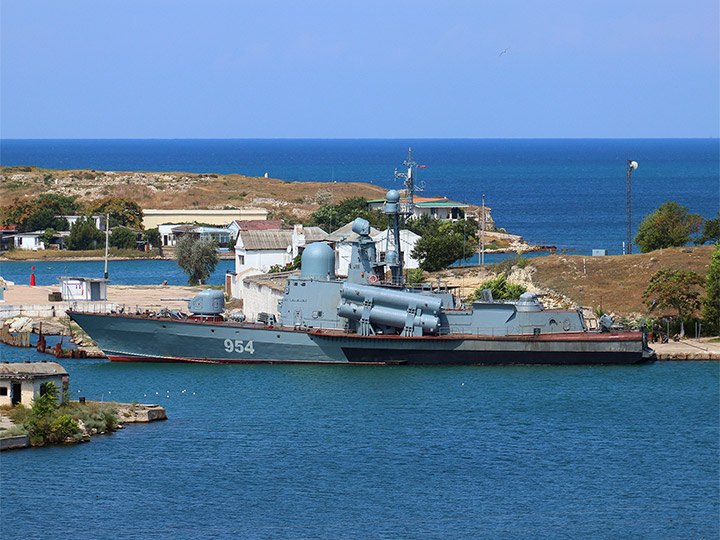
column 175, row 190
column 615, row 283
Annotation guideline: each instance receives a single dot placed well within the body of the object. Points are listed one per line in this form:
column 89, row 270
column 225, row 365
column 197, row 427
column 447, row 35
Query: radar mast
column 398, row 212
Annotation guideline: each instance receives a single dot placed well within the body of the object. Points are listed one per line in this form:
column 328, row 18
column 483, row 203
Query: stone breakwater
column 687, row 349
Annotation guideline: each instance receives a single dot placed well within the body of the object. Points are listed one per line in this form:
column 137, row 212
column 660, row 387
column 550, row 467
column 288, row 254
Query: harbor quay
column 32, row 302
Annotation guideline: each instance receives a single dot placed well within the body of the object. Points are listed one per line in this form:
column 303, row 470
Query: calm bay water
column 569, row 193
column 395, row 452
column 130, row 272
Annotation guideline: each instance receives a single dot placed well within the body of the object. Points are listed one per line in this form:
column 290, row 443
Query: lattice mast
column 399, row 211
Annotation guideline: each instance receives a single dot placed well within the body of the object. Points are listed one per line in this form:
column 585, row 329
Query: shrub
column 501, row 289
column 415, row 275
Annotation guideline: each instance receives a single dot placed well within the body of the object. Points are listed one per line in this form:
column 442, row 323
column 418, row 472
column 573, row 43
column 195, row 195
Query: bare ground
column 614, row 283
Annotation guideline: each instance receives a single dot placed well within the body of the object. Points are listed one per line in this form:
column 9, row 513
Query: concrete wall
column 259, row 298
column 9, row 443
column 56, row 309
column 235, row 289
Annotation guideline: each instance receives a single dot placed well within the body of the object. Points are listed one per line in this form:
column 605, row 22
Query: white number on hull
column 238, row 346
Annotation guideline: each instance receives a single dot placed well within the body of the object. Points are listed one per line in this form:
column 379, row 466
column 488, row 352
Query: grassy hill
column 174, row 190
column 614, row 283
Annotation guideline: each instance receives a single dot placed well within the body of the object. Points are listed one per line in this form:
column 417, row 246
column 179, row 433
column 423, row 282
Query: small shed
column 76, row 289
column 22, row 382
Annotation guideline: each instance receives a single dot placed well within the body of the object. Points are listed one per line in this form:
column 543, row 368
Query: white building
column 29, row 240
column 265, row 248
column 22, row 382
column 435, row 207
column 260, row 293
column 83, row 289
column 256, row 251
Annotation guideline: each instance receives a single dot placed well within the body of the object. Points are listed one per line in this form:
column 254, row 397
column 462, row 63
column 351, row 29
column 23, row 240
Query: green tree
column 45, row 218
column 669, row 226
column 446, row 243
column 678, row 289
column 123, row 211
column 60, row 205
column 40, row 213
column 711, row 302
column 47, row 236
column 46, row 424
column 152, row 237
column 710, row 232
column 422, row 225
column 84, row 235
column 197, row 258
column 333, row 216
column 123, row 238
column 18, row 213
column 501, row 289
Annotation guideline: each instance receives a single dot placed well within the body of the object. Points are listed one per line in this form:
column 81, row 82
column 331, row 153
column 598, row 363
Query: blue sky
column 351, row 69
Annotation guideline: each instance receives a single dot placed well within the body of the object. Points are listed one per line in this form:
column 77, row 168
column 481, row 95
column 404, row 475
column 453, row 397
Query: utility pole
column 107, row 237
column 631, row 166
column 482, row 234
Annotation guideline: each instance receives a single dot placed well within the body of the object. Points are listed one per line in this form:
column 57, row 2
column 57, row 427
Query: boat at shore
column 370, row 317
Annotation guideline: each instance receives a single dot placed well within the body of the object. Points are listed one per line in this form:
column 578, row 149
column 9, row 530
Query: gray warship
column 370, row 317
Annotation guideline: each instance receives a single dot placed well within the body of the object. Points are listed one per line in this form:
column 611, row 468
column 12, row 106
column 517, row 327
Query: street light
column 631, row 166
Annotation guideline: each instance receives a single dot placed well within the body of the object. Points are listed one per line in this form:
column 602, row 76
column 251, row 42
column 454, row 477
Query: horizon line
column 713, row 137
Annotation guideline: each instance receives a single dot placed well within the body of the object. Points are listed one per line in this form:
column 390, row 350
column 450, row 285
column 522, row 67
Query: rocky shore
column 124, row 413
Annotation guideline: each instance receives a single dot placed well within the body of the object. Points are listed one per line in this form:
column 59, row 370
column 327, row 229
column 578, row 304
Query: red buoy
column 32, row 277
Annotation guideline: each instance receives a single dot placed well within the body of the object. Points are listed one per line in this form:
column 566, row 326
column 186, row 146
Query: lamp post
column 482, row 234
column 631, row 166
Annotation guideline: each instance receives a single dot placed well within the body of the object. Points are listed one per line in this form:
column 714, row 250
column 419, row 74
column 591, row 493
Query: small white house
column 22, row 382
column 167, row 232
column 29, row 240
column 79, row 289
column 265, row 248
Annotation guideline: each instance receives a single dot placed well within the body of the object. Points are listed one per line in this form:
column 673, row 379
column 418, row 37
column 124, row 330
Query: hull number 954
column 238, row 347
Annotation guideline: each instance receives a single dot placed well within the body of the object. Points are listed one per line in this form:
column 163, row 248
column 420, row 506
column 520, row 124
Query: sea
column 569, row 193
column 350, row 452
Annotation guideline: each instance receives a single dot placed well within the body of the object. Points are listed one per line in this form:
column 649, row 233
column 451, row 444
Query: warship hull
column 130, row 338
